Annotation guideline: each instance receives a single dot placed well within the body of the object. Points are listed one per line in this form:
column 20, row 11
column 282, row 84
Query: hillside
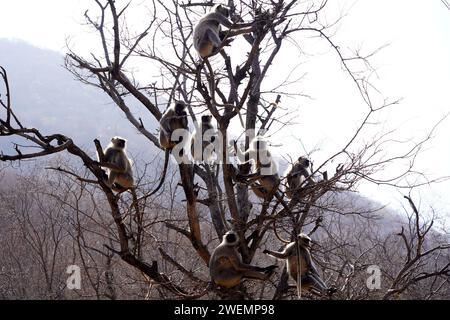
column 46, row 96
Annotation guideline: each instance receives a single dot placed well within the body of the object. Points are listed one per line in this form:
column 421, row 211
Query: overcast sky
column 415, row 66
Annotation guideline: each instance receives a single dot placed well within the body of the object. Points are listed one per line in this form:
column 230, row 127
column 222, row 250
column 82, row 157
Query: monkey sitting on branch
column 226, row 267
column 119, row 174
column 202, row 140
column 301, row 268
column 264, row 181
column 299, row 177
column 208, row 36
column 173, row 119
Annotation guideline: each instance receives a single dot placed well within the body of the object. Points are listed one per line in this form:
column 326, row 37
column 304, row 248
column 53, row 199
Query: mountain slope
column 46, row 96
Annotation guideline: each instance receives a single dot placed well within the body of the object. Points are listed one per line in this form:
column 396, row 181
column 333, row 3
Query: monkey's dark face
column 206, row 119
column 231, row 238
column 223, row 10
column 118, row 143
column 304, row 240
column 179, row 107
column 304, row 161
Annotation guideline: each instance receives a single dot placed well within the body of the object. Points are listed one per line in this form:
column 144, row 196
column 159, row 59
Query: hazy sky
column 415, row 66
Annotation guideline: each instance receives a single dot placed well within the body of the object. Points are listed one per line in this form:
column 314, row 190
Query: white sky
column 415, row 66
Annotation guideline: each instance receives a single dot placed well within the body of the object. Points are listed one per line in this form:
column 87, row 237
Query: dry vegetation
column 137, row 247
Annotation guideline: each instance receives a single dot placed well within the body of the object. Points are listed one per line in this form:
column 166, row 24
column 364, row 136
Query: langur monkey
column 119, row 175
column 309, row 276
column 295, row 179
column 175, row 117
column 208, row 36
column 202, row 145
column 265, row 180
column 226, row 267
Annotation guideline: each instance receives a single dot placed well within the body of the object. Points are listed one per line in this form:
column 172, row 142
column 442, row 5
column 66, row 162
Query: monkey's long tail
column 163, row 176
column 299, row 270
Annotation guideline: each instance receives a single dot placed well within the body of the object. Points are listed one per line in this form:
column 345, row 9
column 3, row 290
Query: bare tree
column 227, row 86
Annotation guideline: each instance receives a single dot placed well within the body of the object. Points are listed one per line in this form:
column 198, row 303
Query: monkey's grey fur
column 226, row 267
